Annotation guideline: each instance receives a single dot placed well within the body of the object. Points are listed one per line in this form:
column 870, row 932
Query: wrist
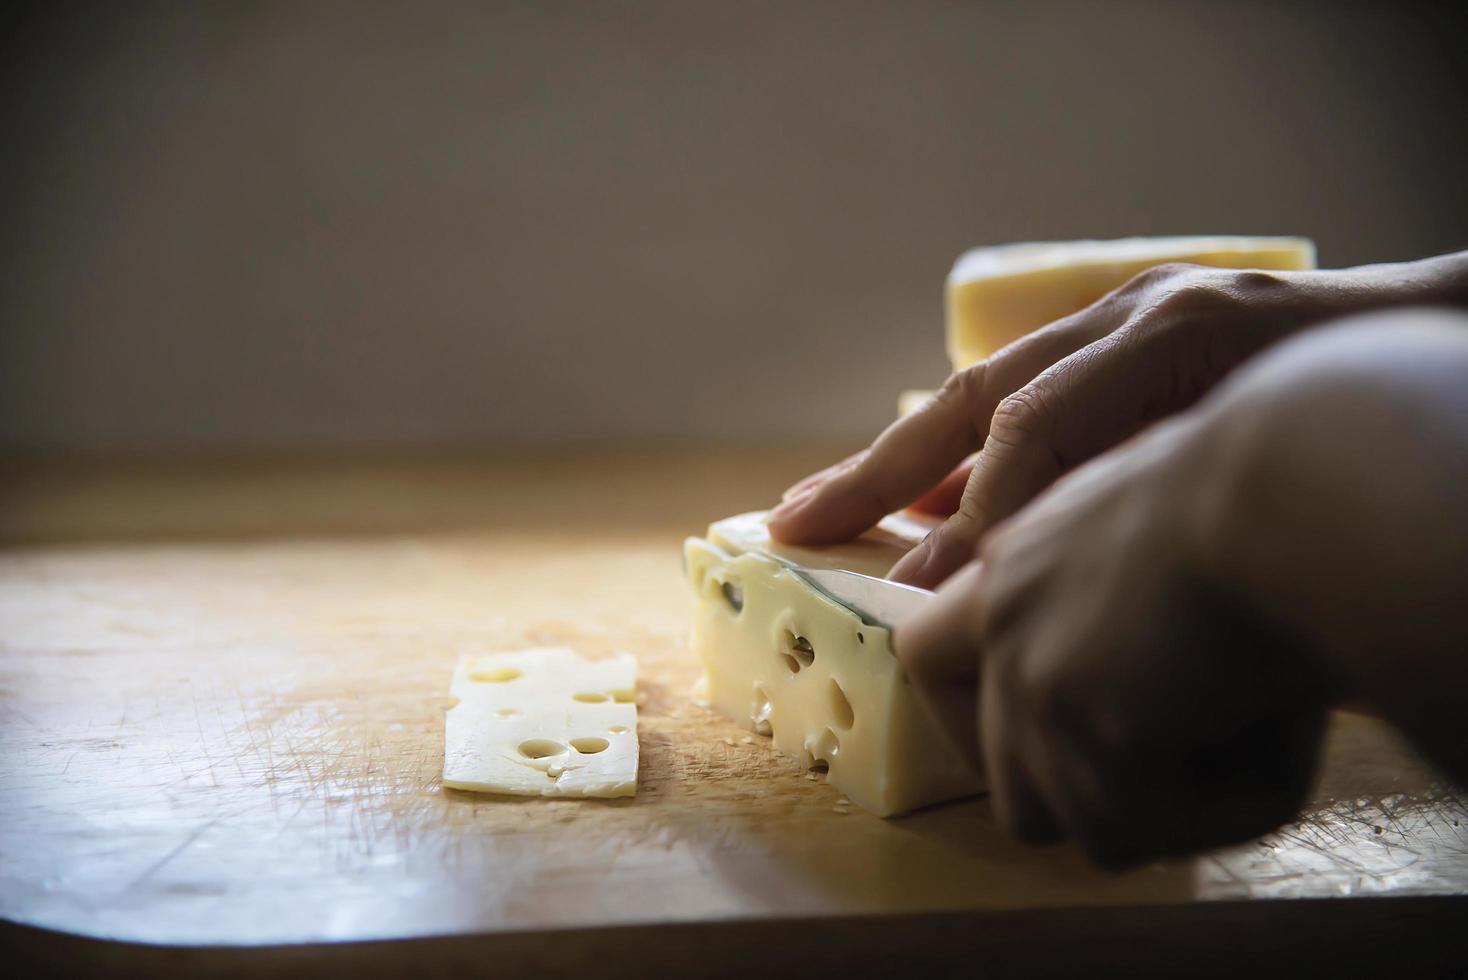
column 1441, row 280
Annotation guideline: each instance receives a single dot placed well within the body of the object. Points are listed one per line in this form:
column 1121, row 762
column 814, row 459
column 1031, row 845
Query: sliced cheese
column 784, row 660
column 542, row 722
column 997, row 295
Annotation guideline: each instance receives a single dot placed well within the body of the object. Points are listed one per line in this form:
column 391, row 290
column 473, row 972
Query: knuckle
column 1019, row 417
column 1256, row 280
column 1197, row 301
column 1189, row 297
column 964, row 393
column 1163, row 272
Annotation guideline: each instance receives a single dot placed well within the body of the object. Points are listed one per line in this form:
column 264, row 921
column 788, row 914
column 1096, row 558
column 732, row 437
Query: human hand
column 1072, row 390
column 1121, row 694
column 1146, row 652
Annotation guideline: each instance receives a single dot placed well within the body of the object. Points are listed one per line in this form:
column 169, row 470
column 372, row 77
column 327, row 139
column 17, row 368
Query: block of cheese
column 912, row 400
column 784, row 660
column 997, row 295
column 542, row 722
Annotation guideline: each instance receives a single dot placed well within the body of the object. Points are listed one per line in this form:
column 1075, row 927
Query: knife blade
column 878, row 601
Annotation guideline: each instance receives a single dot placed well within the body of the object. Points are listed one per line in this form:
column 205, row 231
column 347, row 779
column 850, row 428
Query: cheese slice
column 784, row 660
column 997, row 295
column 542, row 722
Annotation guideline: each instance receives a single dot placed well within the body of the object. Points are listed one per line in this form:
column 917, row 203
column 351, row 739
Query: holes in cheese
column 495, row 675
column 827, row 747
column 543, row 722
column 590, row 745
column 759, row 714
column 841, row 710
column 734, row 596
column 809, row 673
column 798, row 652
column 541, row 748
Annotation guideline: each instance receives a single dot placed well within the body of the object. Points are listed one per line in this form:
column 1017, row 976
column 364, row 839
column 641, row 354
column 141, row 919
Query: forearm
column 1341, row 511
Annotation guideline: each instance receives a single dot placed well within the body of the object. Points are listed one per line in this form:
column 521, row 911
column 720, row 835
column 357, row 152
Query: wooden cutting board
column 221, row 702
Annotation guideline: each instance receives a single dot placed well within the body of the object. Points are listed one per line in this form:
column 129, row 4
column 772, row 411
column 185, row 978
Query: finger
column 1018, row 804
column 1072, row 411
column 954, row 542
column 905, row 461
column 938, row 651
column 801, row 486
column 919, row 450
column 1090, row 804
column 943, row 500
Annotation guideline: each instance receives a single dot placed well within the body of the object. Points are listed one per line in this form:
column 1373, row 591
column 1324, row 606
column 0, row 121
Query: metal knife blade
column 877, row 601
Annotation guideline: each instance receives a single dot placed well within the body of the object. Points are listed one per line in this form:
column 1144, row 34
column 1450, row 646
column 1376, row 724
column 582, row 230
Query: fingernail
column 909, row 567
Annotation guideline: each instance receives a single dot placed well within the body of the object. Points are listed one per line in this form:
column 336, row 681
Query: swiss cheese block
column 997, row 295
column 784, row 660
column 542, row 722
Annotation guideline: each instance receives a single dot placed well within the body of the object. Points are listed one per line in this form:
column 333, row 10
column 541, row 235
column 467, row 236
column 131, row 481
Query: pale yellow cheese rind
column 784, row 660
column 998, row 294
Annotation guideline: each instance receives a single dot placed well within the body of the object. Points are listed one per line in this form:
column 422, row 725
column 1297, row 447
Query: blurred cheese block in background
column 997, row 295
column 784, row 660
column 910, row 401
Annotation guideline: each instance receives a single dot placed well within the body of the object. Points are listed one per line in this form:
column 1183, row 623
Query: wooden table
column 221, row 704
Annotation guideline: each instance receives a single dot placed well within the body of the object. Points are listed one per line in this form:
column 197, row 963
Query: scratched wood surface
column 221, row 704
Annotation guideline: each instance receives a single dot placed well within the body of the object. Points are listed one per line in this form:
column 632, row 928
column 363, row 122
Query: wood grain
column 221, row 705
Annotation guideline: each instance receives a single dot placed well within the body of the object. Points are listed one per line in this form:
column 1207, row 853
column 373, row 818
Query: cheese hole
column 826, row 749
column 617, row 730
column 798, row 652
column 840, row 706
column 590, row 697
column 494, row 675
column 453, row 702
column 734, row 596
column 541, row 748
column 508, row 712
column 861, row 637
column 589, row 746
column 820, row 765
column 760, row 711
column 624, row 697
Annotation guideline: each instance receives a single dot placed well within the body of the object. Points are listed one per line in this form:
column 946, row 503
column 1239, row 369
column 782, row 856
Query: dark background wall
column 352, row 225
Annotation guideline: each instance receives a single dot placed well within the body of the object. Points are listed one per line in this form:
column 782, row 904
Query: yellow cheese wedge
column 784, row 660
column 997, row 295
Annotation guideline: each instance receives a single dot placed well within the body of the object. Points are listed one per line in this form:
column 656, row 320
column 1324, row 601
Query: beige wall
column 337, row 225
